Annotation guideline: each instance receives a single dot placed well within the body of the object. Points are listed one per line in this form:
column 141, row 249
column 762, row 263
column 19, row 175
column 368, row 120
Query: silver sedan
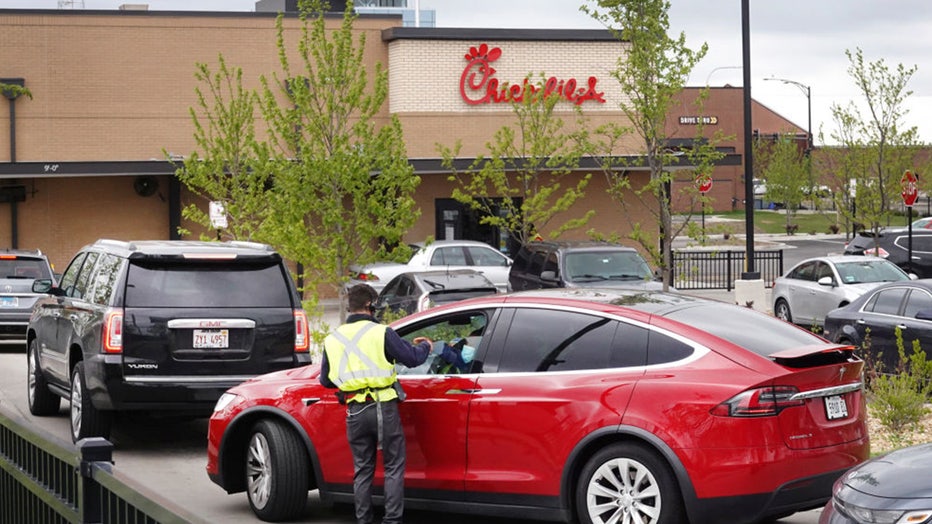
column 813, row 287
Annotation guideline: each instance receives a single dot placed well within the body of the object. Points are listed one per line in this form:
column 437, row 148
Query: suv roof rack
column 254, row 245
column 116, row 243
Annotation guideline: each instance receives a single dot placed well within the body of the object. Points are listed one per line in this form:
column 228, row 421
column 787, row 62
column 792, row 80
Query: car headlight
column 225, row 400
column 876, row 516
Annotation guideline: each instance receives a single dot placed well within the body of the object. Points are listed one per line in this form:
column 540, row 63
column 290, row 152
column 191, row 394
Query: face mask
column 468, row 354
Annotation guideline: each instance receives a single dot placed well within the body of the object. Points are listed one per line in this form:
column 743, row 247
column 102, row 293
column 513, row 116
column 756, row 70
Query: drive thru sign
column 910, row 188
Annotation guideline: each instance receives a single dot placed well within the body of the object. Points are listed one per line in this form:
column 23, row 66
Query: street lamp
column 808, row 92
column 709, row 76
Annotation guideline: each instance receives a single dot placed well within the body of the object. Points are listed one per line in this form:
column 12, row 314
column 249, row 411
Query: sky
column 803, row 41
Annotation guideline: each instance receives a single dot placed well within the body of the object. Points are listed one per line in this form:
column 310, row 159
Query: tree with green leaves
column 229, row 165
column 784, row 167
column 883, row 146
column 343, row 188
column 651, row 73
column 526, row 164
column 332, row 179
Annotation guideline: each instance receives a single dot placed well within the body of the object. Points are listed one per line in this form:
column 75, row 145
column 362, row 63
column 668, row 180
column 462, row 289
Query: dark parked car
column 542, row 265
column 160, row 326
column 905, row 305
column 420, row 290
column 895, row 488
column 18, row 270
column 586, row 405
column 893, row 245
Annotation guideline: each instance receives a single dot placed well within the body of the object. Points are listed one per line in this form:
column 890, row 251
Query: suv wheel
column 42, row 402
column 276, row 472
column 628, row 483
column 86, row 420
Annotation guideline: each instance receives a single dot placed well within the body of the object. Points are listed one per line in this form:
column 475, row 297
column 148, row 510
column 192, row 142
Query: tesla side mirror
column 827, row 281
column 550, row 276
column 913, row 276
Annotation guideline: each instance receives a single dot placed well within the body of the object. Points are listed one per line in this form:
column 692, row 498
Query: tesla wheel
column 276, row 472
column 627, row 483
column 781, row 310
column 86, row 420
column 42, row 402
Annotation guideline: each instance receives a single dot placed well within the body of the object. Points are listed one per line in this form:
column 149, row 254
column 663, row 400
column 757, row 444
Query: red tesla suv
column 596, row 405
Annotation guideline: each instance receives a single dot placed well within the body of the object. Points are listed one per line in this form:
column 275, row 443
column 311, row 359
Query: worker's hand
column 418, row 340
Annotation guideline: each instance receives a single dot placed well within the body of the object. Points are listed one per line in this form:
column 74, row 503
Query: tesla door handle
column 903, row 327
column 472, row 391
column 861, row 321
column 310, row 401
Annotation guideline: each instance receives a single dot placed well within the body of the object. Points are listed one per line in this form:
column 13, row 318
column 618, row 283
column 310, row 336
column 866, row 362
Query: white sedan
column 440, row 254
column 806, row 293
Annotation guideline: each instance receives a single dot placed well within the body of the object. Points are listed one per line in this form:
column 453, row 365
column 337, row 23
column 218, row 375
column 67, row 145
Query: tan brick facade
column 118, row 86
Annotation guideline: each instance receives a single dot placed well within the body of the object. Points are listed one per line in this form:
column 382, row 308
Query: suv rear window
column 23, row 267
column 206, row 284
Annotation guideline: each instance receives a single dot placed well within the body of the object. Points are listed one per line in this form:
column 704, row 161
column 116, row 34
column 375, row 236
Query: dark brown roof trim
column 422, row 166
column 458, row 33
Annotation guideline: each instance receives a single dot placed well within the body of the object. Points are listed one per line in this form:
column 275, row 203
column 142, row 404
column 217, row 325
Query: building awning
column 423, row 166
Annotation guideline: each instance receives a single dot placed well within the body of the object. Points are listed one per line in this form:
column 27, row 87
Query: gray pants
column 362, row 430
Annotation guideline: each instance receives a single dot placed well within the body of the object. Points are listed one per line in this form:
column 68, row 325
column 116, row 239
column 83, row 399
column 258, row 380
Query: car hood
column 853, row 291
column 905, row 473
column 303, row 373
column 649, row 285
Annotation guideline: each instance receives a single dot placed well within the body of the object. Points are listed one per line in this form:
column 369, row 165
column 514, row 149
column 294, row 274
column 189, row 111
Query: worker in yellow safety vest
column 359, row 360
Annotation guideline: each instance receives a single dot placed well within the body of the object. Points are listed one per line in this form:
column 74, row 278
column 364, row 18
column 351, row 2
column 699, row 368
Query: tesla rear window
column 745, row 327
column 218, row 284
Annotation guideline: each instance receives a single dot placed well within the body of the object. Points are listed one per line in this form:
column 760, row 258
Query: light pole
column 709, row 76
column 808, row 92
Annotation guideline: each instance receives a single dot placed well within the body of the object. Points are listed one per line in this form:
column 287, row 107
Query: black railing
column 719, row 269
column 44, row 481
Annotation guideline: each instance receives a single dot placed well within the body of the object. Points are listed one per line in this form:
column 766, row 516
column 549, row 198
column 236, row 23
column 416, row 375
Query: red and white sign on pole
column 704, row 183
column 910, row 188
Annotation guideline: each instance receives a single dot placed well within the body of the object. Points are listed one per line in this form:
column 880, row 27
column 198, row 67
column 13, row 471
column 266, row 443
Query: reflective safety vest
column 356, row 353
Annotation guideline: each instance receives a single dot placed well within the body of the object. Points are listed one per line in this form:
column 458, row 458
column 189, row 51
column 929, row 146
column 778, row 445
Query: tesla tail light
column 113, row 331
column 759, row 402
column 302, row 342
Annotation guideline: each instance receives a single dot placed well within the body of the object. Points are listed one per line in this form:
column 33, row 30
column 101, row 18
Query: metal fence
column 719, row 269
column 44, row 481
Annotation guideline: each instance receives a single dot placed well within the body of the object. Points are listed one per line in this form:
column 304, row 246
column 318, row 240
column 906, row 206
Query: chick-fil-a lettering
column 478, row 84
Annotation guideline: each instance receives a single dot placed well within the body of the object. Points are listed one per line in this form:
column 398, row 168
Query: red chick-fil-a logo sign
column 478, row 84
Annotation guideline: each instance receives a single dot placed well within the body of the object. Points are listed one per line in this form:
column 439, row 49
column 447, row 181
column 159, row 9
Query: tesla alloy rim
column 76, row 399
column 623, row 491
column 258, row 470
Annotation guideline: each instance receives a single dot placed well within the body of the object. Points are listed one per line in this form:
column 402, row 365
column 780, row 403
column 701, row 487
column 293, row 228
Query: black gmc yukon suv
column 160, row 326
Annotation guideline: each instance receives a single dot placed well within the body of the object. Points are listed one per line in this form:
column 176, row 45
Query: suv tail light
column 758, row 402
column 877, row 251
column 423, row 302
column 302, row 342
column 113, row 331
column 365, row 277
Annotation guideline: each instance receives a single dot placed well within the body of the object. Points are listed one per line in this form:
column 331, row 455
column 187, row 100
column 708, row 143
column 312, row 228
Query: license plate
column 9, row 301
column 211, row 338
column 835, row 407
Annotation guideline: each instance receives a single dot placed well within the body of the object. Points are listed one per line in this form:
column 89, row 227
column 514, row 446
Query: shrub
column 898, row 397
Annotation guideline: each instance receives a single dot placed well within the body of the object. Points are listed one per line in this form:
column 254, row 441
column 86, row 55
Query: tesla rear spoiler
column 815, row 355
